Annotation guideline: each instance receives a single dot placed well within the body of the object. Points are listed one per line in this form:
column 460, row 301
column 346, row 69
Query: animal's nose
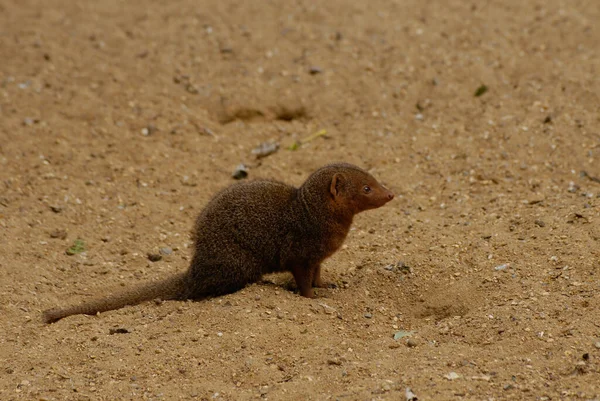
column 390, row 195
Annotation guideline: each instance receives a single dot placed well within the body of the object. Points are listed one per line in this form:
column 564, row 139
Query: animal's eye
column 367, row 189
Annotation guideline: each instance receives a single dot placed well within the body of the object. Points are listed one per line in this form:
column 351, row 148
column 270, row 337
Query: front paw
column 309, row 293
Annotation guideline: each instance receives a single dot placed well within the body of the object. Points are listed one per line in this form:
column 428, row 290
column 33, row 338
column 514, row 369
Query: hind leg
column 218, row 277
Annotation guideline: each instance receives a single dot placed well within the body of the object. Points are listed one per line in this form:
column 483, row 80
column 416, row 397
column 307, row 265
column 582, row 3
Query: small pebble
column 166, row 251
column 315, row 70
column 28, row 121
column 573, row 187
column 60, row 234
column 154, row 257
column 502, row 267
column 56, row 209
column 540, row 223
column 410, row 396
column 265, row 149
column 226, row 49
column 120, row 330
column 240, row 172
column 368, row 315
column 452, row 376
column 411, row 343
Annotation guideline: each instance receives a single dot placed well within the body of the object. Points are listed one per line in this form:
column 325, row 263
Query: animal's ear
column 336, row 185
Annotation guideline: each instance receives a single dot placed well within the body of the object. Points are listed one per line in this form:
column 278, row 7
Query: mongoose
column 258, row 227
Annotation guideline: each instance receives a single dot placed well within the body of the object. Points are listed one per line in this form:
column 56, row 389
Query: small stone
column 240, row 172
column 185, row 180
column 265, row 149
column 368, row 315
column 452, row 376
column 149, row 130
column 410, row 396
column 502, row 267
column 419, row 117
column 166, row 250
column 399, row 267
column 190, row 88
column 56, row 208
column 226, row 49
column 60, row 234
column 120, row 330
column 411, row 343
column 597, row 344
column 540, row 223
column 315, row 70
column 573, row 187
column 154, row 257
column 334, row 361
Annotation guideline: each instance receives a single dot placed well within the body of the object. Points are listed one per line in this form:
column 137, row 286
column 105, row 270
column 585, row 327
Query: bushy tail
column 171, row 288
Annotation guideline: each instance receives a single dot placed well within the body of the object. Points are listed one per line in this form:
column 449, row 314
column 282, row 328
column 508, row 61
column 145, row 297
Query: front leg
column 318, row 281
column 304, row 279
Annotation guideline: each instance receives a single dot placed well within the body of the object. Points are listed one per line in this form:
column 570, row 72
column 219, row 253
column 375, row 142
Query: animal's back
column 252, row 215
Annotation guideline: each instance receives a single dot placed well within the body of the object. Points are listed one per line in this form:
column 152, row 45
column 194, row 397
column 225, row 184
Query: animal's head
column 357, row 190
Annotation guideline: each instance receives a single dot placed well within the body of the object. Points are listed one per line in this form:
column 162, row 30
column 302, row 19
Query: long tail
column 171, row 288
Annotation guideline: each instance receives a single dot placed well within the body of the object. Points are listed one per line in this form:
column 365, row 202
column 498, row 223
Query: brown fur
column 258, row 227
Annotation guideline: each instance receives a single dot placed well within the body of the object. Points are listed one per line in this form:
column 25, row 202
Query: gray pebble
column 28, row 121
column 573, row 187
column 166, row 251
column 265, row 149
column 240, row 172
column 368, row 315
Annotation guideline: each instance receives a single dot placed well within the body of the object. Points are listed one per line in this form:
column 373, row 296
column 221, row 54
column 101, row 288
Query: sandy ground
column 120, row 119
